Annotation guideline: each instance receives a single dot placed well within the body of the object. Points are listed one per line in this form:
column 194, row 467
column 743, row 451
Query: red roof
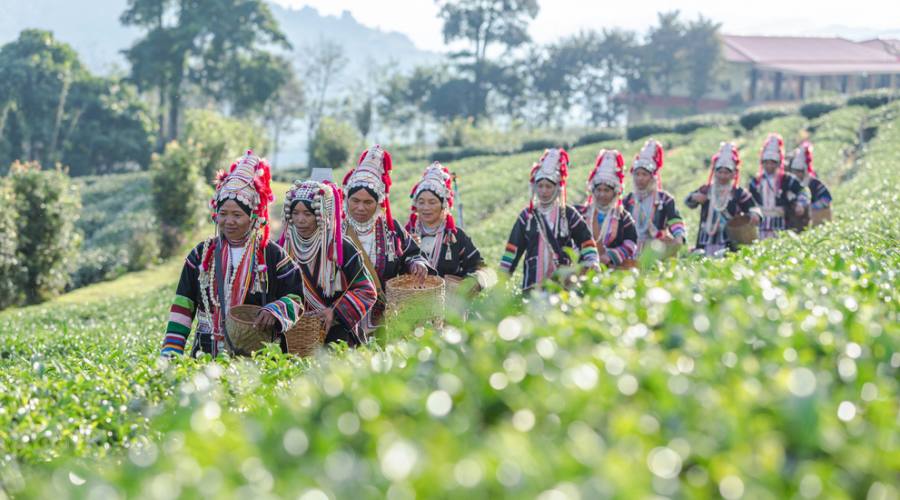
column 889, row 45
column 808, row 55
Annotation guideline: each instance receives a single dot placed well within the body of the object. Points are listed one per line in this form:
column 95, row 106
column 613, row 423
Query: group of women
column 340, row 244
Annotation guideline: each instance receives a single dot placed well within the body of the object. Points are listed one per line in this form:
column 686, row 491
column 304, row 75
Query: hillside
column 771, row 373
column 100, row 45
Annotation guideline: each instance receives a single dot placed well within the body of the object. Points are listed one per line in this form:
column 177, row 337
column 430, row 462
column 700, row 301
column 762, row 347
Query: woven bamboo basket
column 820, row 216
column 306, row 336
column 244, row 336
column 741, row 230
column 404, row 293
column 796, row 222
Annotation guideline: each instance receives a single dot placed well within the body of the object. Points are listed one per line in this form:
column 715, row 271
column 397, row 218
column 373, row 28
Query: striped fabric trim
column 677, row 227
column 173, row 344
column 286, row 310
column 589, row 251
column 181, row 317
column 622, row 253
column 508, row 256
column 358, row 300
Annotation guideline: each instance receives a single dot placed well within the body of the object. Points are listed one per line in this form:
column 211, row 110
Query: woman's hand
column 419, row 271
column 799, row 209
column 754, row 219
column 265, row 320
column 605, row 259
column 328, row 317
column 699, row 197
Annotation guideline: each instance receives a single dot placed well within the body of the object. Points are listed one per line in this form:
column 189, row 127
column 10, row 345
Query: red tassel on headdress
column 339, row 217
column 563, row 175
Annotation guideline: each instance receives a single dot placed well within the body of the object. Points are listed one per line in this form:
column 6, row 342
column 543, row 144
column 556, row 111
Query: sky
column 557, row 18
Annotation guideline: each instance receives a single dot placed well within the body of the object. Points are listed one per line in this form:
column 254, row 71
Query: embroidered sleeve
column 673, row 219
column 820, row 196
column 410, row 250
column 746, row 203
column 754, row 190
column 360, row 294
column 183, row 308
column 582, row 236
column 469, row 256
column 627, row 238
column 287, row 286
column 690, row 202
column 800, row 193
column 515, row 245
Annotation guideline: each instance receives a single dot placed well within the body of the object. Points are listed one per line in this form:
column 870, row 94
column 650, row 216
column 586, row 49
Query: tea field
column 772, row 373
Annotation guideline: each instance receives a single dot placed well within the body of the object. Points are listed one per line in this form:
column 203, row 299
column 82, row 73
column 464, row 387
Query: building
column 760, row 69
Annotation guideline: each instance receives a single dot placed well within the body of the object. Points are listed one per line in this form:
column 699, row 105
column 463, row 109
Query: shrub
column 874, row 98
column 688, row 125
column 610, row 134
column 47, row 205
column 815, row 109
column 753, row 117
column 219, row 139
column 10, row 293
column 178, row 194
column 333, row 144
column 542, row 143
column 641, row 130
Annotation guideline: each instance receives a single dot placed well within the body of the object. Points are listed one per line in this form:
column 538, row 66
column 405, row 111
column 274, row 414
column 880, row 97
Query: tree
column 214, row 44
column 53, row 110
column 47, row 206
column 282, row 111
column 217, row 140
column 333, row 144
column 664, row 51
column 326, row 62
column 363, row 118
column 703, row 52
column 484, row 24
column 178, row 194
column 10, row 270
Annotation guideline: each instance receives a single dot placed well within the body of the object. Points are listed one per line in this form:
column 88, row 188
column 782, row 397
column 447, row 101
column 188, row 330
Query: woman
column 774, row 190
column 237, row 266
column 720, row 201
column 802, row 167
column 336, row 285
column 387, row 249
column 653, row 210
column 448, row 249
column 542, row 232
column 611, row 226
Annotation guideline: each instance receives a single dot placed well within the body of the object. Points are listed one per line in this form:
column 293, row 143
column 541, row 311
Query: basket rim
column 241, row 307
column 431, row 282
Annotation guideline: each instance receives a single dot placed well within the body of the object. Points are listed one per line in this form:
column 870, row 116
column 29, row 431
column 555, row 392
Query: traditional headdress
column 609, row 169
column 325, row 200
column 773, row 149
column 247, row 182
column 727, row 157
column 803, row 158
column 373, row 172
column 650, row 159
column 554, row 167
column 437, row 180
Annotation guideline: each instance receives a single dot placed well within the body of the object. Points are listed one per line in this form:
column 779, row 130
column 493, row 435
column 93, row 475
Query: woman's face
column 642, row 179
column 724, row 176
column 800, row 174
column 429, row 208
column 362, row 206
column 770, row 166
column 546, row 191
column 233, row 222
column 304, row 220
column 604, row 194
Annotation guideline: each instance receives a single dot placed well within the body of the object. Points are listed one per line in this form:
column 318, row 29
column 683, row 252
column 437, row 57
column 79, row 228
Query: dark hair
column 369, row 190
column 432, row 191
column 244, row 207
column 306, row 203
